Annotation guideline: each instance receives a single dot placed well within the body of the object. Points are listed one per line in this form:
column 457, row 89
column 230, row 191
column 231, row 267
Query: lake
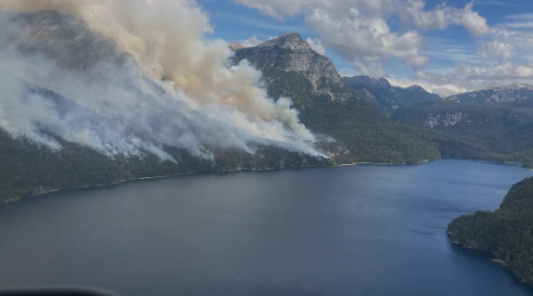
column 362, row 230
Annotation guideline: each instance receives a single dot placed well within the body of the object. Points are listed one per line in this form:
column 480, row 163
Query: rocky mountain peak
column 384, row 82
column 235, row 46
column 290, row 54
column 292, row 41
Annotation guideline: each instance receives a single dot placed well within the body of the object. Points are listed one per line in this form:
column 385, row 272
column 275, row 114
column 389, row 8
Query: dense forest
column 29, row 169
column 508, row 232
column 475, row 131
column 355, row 123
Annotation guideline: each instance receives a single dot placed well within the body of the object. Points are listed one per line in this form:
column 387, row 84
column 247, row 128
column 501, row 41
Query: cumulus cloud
column 199, row 100
column 359, row 32
column 496, row 49
column 412, row 12
column 362, row 39
column 316, row 45
column 251, row 42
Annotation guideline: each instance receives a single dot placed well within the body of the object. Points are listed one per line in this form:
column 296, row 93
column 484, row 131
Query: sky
column 445, row 47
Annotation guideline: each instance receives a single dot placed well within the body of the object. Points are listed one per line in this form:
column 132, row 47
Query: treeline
column 508, row 232
column 28, row 169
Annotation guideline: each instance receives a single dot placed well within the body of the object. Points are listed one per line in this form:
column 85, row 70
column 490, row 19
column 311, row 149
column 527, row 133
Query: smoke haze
column 194, row 98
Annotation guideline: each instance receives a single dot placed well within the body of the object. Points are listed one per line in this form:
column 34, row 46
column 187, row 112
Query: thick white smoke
column 199, row 102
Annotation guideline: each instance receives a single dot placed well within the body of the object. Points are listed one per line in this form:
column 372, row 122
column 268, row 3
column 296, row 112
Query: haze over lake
column 362, row 230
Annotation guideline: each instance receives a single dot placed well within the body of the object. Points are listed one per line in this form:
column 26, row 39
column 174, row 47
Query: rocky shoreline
column 495, row 259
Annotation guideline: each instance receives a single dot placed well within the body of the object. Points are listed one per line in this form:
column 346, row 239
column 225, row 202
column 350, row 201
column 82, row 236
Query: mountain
column 386, row 96
column 81, row 113
column 235, row 46
column 496, row 95
column 66, row 39
column 507, row 232
column 361, row 133
column 52, row 152
column 475, row 131
column 290, row 54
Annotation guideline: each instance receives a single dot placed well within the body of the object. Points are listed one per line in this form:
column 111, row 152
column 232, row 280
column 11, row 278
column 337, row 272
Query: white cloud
column 496, row 49
column 251, row 42
column 316, row 45
column 495, row 3
column 519, row 21
column 412, row 12
column 521, row 16
column 359, row 32
column 366, row 40
column 472, row 21
column 276, row 8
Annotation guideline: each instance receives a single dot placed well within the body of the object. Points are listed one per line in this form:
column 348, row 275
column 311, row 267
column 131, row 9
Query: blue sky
column 472, row 46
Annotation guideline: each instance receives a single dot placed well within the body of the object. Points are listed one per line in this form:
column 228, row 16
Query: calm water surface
column 365, row 230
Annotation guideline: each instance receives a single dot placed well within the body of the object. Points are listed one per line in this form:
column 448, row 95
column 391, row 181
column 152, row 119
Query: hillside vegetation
column 508, row 232
column 330, row 108
column 475, row 131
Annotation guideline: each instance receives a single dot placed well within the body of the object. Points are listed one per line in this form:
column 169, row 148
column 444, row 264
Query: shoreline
column 495, row 258
column 54, row 190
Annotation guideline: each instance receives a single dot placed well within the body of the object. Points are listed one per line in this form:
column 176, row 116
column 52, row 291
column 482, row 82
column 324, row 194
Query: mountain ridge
column 386, row 96
column 496, row 95
column 290, row 53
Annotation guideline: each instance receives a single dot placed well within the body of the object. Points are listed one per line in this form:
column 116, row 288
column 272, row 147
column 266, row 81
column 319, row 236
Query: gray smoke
column 194, row 98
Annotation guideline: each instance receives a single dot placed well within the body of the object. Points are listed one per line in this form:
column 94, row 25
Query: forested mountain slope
column 475, row 131
column 121, row 126
column 326, row 105
column 62, row 142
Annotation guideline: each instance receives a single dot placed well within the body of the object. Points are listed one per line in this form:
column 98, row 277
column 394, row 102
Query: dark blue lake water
column 364, row 230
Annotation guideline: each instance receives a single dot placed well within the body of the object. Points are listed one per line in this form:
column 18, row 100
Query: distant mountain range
column 379, row 91
column 388, row 97
column 496, row 95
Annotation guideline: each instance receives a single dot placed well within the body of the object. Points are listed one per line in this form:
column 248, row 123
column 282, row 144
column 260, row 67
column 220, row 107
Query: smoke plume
column 194, row 98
